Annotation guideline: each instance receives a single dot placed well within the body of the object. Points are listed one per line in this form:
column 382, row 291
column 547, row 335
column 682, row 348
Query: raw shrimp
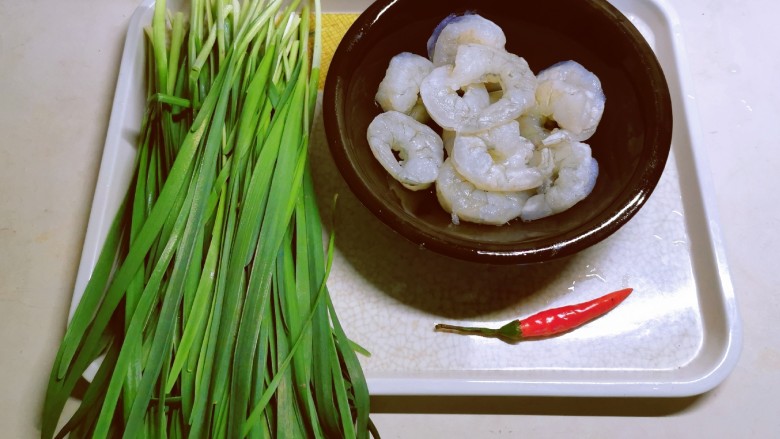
column 496, row 159
column 400, row 88
column 475, row 63
column 465, row 202
column 456, row 30
column 442, row 101
column 477, row 98
column 575, row 178
column 569, row 101
column 478, row 64
column 419, row 148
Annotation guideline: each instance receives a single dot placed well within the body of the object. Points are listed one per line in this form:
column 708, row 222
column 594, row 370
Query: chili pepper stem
column 487, row 332
column 509, row 331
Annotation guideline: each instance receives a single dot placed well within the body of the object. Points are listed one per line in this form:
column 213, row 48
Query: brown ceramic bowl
column 631, row 144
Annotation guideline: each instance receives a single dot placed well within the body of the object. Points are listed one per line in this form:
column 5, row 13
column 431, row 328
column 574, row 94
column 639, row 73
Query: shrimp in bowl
column 478, row 64
column 400, row 88
column 497, row 159
column 420, row 150
column 630, row 144
column 512, row 139
column 456, row 30
column 571, row 176
column 466, row 202
column 569, row 101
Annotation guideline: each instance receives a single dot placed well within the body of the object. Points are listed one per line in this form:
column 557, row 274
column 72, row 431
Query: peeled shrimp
column 476, row 97
column 569, row 101
column 419, row 148
column 465, row 202
column 576, row 176
column 441, row 99
column 478, row 64
column 496, row 159
column 456, row 30
column 400, row 88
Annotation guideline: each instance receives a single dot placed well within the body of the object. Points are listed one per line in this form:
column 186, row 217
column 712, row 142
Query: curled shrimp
column 571, row 175
column 400, row 88
column 419, row 147
column 476, row 97
column 497, row 159
column 442, row 101
column 462, row 29
column 476, row 64
column 569, row 102
column 464, row 201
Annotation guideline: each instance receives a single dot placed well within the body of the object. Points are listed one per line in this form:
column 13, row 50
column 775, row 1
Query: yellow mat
column 334, row 26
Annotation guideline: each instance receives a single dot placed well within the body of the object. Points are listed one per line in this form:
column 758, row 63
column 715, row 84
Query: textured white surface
column 58, row 67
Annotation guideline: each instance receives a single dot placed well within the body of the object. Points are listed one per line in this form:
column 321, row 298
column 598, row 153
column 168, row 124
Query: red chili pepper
column 549, row 322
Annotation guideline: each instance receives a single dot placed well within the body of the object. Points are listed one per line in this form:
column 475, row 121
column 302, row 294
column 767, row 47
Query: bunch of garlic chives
column 209, row 303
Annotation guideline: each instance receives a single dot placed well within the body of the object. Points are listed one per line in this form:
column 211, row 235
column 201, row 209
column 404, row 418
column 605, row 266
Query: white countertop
column 58, row 67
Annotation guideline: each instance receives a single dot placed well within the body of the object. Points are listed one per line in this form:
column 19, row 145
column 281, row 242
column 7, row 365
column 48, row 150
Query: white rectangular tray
column 678, row 334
